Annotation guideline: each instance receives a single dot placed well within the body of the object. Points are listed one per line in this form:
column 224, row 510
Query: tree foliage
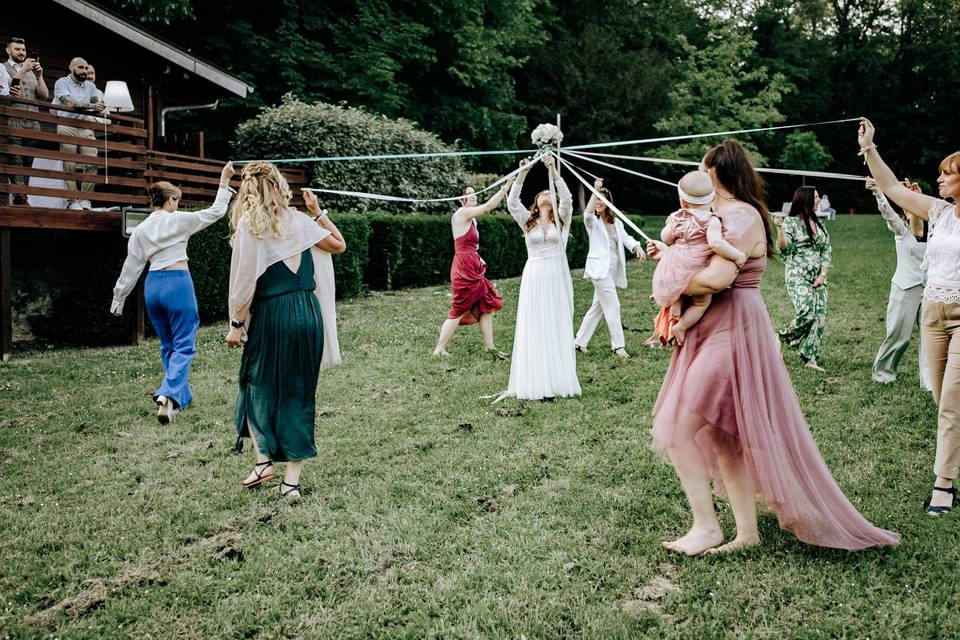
column 482, row 73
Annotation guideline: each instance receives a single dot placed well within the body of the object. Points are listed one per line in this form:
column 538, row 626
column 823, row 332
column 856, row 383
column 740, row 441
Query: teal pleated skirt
column 276, row 401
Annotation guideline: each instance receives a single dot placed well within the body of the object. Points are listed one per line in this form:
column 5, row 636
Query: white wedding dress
column 544, row 363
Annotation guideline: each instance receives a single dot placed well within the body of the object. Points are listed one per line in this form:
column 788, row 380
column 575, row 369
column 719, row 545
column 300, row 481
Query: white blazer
column 598, row 258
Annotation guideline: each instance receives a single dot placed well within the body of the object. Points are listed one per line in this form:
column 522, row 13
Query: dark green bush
column 296, row 129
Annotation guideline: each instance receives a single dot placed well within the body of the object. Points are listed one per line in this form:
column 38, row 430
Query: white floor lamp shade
column 117, row 99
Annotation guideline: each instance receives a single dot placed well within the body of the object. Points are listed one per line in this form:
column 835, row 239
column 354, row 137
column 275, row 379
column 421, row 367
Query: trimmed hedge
column 383, row 252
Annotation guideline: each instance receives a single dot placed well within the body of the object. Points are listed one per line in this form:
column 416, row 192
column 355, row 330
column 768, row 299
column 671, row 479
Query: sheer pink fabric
column 727, row 391
column 688, row 254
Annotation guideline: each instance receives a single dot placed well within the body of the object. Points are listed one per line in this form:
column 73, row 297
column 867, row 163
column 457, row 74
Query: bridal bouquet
column 547, row 135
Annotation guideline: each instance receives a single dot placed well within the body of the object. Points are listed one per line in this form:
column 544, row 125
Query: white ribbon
column 609, row 204
column 694, row 163
column 625, row 170
column 388, row 198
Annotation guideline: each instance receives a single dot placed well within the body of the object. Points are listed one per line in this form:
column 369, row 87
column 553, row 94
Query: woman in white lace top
column 544, row 364
column 940, row 315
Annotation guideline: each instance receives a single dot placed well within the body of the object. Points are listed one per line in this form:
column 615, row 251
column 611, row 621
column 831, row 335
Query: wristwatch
column 236, row 324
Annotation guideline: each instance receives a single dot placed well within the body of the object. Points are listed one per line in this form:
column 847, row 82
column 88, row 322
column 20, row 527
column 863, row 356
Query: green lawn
column 429, row 512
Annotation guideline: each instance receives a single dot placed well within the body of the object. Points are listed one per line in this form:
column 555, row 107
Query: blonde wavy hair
column 263, row 196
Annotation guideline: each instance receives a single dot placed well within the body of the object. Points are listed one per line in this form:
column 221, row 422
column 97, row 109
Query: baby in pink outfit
column 693, row 234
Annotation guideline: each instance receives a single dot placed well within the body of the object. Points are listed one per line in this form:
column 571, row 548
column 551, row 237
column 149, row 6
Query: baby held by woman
column 693, row 234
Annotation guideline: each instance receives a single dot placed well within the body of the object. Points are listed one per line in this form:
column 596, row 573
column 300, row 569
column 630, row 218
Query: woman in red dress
column 474, row 297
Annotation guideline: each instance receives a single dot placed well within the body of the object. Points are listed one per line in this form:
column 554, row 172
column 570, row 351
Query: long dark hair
column 463, row 192
column 802, row 207
column 734, row 170
column 607, row 214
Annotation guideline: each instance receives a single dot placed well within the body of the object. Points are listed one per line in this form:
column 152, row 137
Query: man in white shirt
column 76, row 91
column 28, row 75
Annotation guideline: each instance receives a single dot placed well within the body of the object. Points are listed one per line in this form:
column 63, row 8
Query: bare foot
column 441, row 352
column 737, row 544
column 812, row 364
column 679, row 333
column 697, row 540
column 676, row 310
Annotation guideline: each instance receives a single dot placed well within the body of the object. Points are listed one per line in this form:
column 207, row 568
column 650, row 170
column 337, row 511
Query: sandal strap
column 261, row 468
column 293, row 487
column 952, row 490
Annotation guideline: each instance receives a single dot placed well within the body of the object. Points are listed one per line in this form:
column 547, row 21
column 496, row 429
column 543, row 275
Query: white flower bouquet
column 547, row 135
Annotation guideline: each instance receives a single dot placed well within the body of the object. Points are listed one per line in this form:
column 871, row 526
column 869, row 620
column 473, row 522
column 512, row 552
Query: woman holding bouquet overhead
column 543, row 364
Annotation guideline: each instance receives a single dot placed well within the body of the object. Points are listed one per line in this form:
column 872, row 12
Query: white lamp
column 116, row 98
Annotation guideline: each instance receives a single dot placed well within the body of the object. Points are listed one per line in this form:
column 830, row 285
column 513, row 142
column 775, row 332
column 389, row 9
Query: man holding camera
column 77, row 92
column 26, row 76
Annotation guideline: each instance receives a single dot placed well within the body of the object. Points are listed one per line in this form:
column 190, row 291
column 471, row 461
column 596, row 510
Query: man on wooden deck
column 28, row 75
column 76, row 91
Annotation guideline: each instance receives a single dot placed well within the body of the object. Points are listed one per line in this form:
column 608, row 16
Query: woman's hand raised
column 227, row 173
column 310, row 199
column 865, row 134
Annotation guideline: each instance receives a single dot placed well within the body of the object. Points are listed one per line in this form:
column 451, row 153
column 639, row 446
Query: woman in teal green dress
column 806, row 251
column 277, row 317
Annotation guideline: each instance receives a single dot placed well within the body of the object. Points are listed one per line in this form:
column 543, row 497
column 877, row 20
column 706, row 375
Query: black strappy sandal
column 262, row 475
column 939, row 511
column 286, row 494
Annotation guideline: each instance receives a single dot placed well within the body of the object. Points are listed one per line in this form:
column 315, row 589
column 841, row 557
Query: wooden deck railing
column 124, row 169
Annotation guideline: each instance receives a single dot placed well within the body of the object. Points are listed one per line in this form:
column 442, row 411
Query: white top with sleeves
column 161, row 240
column 539, row 244
column 943, row 254
column 4, row 81
column 910, row 251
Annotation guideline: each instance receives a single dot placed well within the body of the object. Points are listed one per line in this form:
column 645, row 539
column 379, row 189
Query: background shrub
column 296, row 129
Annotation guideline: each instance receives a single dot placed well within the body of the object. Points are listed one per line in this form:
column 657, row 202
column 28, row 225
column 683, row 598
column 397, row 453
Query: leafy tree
column 718, row 90
column 803, row 151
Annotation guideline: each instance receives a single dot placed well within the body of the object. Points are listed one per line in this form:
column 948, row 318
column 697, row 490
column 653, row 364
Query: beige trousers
column 71, row 167
column 940, row 336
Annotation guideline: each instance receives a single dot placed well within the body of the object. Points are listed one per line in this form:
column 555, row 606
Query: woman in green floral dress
column 805, row 246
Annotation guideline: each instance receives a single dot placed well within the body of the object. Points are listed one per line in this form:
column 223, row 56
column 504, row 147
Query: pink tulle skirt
column 680, row 262
column 727, row 390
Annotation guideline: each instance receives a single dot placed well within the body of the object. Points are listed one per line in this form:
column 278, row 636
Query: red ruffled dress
column 473, row 294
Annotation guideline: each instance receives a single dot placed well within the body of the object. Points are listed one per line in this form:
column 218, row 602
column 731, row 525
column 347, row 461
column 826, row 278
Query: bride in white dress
column 544, row 363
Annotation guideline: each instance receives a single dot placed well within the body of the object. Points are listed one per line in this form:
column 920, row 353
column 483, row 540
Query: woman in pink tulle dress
column 727, row 409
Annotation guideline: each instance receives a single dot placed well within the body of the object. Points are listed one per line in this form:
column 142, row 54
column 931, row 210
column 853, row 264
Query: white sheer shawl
column 252, row 256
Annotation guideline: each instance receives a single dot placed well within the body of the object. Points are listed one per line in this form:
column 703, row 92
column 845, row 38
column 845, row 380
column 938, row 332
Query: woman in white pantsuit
column 906, row 292
column 606, row 269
